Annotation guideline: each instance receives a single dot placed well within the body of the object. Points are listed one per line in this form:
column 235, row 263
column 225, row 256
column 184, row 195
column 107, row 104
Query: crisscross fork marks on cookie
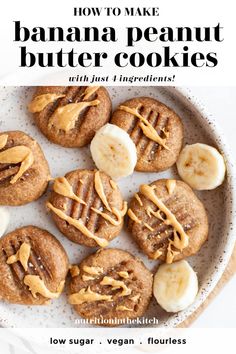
column 149, row 192
column 152, row 117
column 146, row 126
column 16, row 269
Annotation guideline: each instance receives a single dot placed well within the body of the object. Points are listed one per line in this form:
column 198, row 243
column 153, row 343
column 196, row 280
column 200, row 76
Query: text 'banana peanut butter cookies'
column 87, row 207
column 33, row 266
column 24, row 171
column 110, row 286
column 167, row 220
column 70, row 115
column 156, row 130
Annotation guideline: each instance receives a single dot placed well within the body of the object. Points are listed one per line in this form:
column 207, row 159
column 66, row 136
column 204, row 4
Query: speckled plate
column 209, row 263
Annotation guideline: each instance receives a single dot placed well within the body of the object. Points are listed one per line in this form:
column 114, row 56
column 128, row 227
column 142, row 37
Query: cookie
column 33, row 266
column 167, row 220
column 24, row 171
column 112, row 285
column 70, row 115
column 156, row 130
column 87, row 207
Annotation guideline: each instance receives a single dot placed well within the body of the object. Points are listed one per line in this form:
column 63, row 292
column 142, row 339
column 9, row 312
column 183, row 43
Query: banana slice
column 4, row 220
column 201, row 166
column 113, row 151
column 175, row 286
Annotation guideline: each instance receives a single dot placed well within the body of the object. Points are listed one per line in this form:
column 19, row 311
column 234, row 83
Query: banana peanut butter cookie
column 156, row 130
column 24, row 171
column 33, row 266
column 112, row 285
column 87, row 207
column 167, row 220
column 70, row 116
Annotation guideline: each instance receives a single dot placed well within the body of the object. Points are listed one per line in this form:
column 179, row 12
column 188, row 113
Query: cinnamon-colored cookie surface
column 87, row 207
column 156, row 130
column 167, row 220
column 70, row 115
column 24, row 171
column 112, row 285
column 33, row 266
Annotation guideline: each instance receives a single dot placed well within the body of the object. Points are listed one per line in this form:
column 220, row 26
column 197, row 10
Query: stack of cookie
column 165, row 218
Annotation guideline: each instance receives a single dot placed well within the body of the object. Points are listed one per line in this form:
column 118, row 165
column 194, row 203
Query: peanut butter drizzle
column 157, row 214
column 40, row 102
column 65, row 117
column 87, row 277
column 170, row 185
column 37, row 286
column 18, row 154
column 116, row 284
column 113, row 185
column 179, row 242
column 136, row 196
column 78, row 224
column 123, row 274
column 137, row 220
column 100, row 191
column 87, row 295
column 135, row 298
column 117, row 213
column 22, row 255
column 146, row 127
column 133, row 216
column 74, row 271
column 123, row 308
column 93, row 270
column 148, row 226
column 3, row 140
column 157, row 254
column 63, row 187
column 166, row 132
column 89, row 91
column 170, row 253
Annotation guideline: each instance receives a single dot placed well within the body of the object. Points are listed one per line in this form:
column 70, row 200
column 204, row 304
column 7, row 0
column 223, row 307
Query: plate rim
column 186, row 94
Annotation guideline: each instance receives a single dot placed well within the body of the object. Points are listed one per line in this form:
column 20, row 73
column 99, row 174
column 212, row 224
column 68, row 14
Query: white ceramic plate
column 209, row 263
